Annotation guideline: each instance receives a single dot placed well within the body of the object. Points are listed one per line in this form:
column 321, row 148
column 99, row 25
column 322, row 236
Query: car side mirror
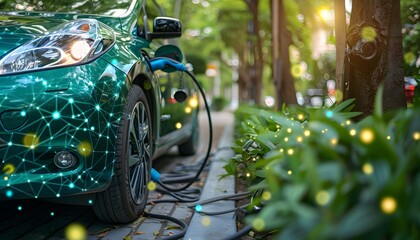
column 165, row 27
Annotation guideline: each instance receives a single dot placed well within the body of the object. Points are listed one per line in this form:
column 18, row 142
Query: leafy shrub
column 321, row 176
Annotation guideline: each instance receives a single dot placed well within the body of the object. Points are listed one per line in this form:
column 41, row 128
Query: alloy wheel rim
column 139, row 152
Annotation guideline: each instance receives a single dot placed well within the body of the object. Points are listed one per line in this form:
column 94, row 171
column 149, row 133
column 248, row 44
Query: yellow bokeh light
column 322, row 198
column 289, row 130
column 300, row 116
column 307, row 133
column 258, row 224
column 193, row 102
column 31, row 140
column 326, row 15
column 206, row 221
column 297, row 70
column 367, row 135
column 286, row 139
column 353, row 132
column 188, row 110
column 369, row 34
column 84, row 148
column 281, row 150
column 348, row 122
column 178, row 125
column 6, row 178
column 388, row 205
column 410, row 58
column 266, row 195
column 367, row 168
column 334, row 141
column 289, row 172
column 299, row 139
column 388, row 137
column 248, row 175
column 416, row 136
column 75, row 231
column 151, row 186
column 290, row 151
column 8, row 168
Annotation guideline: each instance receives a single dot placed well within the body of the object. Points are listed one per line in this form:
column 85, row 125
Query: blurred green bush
column 319, row 175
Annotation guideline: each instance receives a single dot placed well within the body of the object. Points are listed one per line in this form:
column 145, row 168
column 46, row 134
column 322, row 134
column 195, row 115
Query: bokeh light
column 416, row 136
column 367, row 135
column 266, row 196
column 84, row 148
column 151, row 186
column 30, row 140
column 369, row 34
column 75, row 231
column 322, row 198
column 258, row 224
column 367, row 168
column 8, row 169
column 388, row 205
column 206, row 221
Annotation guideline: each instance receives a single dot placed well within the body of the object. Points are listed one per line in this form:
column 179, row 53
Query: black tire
column 189, row 147
column 125, row 199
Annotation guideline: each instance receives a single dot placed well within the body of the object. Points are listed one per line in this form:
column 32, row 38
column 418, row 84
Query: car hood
column 17, row 28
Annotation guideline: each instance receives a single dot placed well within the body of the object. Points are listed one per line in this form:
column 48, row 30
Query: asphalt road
column 34, row 219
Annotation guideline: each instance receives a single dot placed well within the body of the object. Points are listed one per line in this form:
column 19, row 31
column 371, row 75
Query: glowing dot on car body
column 56, row 115
column 9, row 193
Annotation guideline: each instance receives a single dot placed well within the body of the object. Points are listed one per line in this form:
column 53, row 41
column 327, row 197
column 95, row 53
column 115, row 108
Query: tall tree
column 282, row 39
column 375, row 55
column 257, row 64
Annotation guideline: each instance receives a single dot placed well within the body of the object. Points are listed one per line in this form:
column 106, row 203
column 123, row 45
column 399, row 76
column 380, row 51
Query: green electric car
column 82, row 114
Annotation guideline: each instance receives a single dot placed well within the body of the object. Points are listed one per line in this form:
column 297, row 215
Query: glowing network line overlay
column 75, row 109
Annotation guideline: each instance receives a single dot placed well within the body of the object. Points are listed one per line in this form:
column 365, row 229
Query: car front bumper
column 78, row 113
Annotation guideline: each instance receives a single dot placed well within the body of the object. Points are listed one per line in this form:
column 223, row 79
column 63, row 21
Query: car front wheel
column 126, row 197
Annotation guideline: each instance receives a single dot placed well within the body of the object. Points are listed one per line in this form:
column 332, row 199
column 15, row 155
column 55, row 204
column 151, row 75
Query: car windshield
column 101, row 7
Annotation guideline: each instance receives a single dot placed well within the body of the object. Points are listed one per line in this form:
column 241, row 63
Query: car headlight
column 74, row 42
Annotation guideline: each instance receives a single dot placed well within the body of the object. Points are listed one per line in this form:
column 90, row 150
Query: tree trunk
column 340, row 44
column 283, row 80
column 375, row 55
column 256, row 49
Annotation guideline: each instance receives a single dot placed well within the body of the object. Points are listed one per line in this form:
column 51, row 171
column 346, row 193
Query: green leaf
column 361, row 219
column 340, row 107
column 378, row 101
column 294, row 192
